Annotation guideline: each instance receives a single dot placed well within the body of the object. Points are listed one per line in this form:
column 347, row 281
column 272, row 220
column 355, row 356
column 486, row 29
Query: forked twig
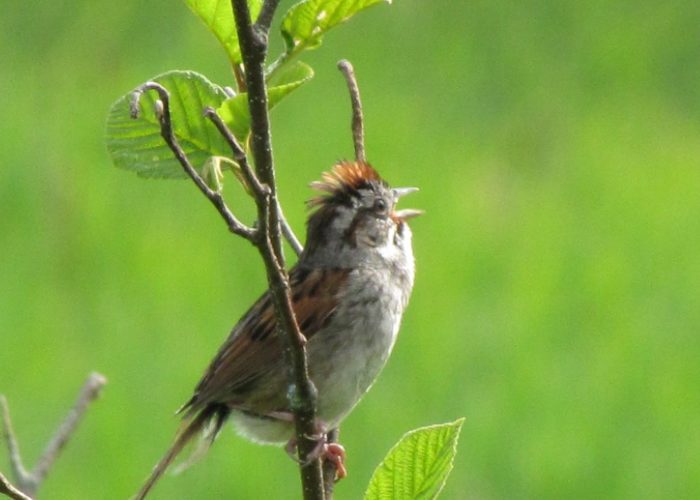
column 29, row 481
column 166, row 131
column 250, row 177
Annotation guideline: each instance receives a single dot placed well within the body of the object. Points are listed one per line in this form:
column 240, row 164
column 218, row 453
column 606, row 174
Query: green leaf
column 136, row 144
column 305, row 23
column 218, row 16
column 418, row 465
column 235, row 111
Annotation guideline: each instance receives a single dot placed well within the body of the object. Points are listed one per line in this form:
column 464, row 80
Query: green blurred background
column 557, row 302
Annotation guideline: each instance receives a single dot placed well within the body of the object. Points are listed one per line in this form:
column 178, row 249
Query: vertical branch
column 358, row 127
column 253, row 42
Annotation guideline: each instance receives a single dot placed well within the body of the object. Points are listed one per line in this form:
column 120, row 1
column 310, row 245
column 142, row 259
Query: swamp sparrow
column 349, row 290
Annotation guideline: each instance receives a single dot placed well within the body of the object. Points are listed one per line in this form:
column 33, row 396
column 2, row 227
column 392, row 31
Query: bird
column 349, row 289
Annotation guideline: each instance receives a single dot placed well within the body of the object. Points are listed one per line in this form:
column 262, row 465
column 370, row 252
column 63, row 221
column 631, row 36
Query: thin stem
column 288, row 232
column 90, row 391
column 21, row 475
column 358, row 127
column 302, row 390
column 239, row 76
column 166, row 131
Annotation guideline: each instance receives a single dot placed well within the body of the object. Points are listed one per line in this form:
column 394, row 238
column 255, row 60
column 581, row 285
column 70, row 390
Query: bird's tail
column 188, row 430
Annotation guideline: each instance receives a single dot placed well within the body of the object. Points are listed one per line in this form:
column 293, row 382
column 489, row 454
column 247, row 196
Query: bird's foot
column 333, row 452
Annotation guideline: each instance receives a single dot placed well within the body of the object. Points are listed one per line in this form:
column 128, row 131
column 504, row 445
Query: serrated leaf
column 418, row 465
column 136, row 144
column 235, row 111
column 305, row 23
column 218, row 16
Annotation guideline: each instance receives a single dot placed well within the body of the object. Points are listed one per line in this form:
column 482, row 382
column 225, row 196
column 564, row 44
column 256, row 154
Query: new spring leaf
column 418, row 466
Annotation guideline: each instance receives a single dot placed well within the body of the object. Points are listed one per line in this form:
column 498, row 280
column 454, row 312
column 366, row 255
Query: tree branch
column 166, row 131
column 29, row 481
column 302, row 390
column 358, row 127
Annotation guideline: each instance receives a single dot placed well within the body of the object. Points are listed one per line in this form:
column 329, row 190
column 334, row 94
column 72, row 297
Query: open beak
column 399, row 192
column 406, row 213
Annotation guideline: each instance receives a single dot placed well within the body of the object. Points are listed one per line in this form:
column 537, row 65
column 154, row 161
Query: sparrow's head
column 357, row 210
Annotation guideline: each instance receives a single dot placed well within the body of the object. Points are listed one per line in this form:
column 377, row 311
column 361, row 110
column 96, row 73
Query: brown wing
column 253, row 351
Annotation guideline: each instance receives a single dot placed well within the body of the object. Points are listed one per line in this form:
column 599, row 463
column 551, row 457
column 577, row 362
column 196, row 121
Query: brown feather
column 253, row 350
column 345, row 177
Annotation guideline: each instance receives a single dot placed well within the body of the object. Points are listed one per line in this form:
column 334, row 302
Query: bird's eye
column 380, row 205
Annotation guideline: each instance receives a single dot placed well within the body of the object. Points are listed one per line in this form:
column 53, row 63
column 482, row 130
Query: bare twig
column 6, row 488
column 166, row 131
column 18, row 471
column 90, row 391
column 358, row 128
column 29, row 481
column 302, row 390
column 288, row 233
column 239, row 76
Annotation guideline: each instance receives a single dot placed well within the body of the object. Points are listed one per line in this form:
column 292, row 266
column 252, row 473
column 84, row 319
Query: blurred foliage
column 557, row 147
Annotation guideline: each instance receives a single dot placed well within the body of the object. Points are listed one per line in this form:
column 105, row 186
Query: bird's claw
column 333, row 452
